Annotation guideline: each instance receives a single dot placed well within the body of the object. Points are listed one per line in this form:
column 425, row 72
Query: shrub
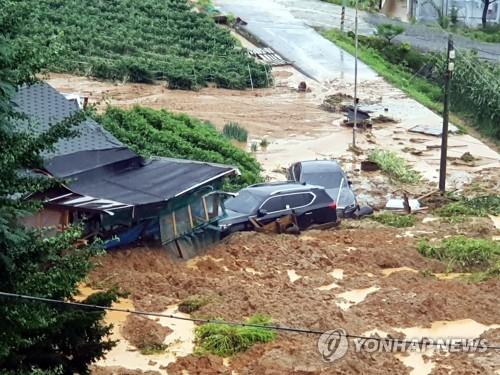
column 394, row 166
column 394, row 220
column 192, row 304
column 225, row 340
column 463, row 253
column 478, row 206
column 233, row 130
column 161, row 133
column 389, row 31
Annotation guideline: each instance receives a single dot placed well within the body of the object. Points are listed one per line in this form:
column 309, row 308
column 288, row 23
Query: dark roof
column 266, row 189
column 320, row 166
column 72, row 165
column 101, row 173
column 157, row 180
column 46, row 106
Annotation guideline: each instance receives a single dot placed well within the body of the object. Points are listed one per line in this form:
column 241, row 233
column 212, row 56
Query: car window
column 273, row 204
column 298, row 200
column 327, row 180
column 245, row 202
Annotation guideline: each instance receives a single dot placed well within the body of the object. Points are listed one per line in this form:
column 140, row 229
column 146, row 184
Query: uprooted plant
column 225, row 340
column 394, row 220
column 395, row 166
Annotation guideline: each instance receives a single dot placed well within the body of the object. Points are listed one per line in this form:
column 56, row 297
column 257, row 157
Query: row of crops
column 162, row 133
column 141, row 41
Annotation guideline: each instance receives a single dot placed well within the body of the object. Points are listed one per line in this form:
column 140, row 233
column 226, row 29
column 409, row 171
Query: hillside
column 141, row 41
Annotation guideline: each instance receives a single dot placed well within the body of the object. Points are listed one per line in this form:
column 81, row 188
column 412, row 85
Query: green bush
column 463, row 253
column 192, row 304
column 162, row 133
column 478, row 206
column 233, row 130
column 225, row 340
column 394, row 220
column 389, row 31
column 394, row 166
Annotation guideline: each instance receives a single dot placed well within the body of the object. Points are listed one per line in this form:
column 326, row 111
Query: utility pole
column 450, row 66
column 355, row 77
column 342, row 17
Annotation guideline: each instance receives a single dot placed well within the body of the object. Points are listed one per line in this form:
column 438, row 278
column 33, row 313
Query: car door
column 301, row 205
column 274, row 208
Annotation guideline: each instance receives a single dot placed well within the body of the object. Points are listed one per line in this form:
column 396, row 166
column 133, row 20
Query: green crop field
column 141, row 41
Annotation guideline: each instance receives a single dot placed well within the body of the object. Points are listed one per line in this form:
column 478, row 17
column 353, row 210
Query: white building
column 468, row 11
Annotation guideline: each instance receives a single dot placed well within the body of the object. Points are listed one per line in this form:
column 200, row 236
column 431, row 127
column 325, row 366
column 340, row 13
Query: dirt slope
column 299, row 280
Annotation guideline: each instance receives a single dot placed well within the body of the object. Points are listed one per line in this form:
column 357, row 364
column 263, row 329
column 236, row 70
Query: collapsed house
column 115, row 193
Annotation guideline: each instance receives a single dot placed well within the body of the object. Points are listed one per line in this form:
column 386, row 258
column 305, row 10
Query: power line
column 421, row 341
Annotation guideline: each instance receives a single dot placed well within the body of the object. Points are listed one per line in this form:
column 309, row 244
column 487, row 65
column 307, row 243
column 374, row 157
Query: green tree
column 34, row 337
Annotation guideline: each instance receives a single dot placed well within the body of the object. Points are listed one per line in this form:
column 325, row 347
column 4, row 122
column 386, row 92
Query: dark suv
column 269, row 201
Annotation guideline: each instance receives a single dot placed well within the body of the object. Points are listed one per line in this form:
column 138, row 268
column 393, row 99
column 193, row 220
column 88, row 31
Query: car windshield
column 245, row 202
column 327, row 180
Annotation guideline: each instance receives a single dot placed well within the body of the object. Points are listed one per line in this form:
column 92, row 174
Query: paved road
column 318, row 13
column 272, row 23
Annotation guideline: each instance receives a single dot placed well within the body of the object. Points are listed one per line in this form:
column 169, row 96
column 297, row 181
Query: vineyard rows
column 141, row 41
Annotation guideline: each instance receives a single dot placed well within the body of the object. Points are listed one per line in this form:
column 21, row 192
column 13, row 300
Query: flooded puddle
column 337, row 274
column 450, row 275
column 292, row 275
column 417, row 362
column 353, row 297
column 252, row 271
column 180, row 342
column 464, row 328
column 389, row 271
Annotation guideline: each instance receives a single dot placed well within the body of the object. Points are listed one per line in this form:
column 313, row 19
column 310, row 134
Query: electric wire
column 421, row 341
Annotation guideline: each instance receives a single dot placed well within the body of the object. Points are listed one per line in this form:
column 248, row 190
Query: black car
column 329, row 174
column 268, row 201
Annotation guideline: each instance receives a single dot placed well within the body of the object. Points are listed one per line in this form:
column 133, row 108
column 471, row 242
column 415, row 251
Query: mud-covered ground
column 347, row 278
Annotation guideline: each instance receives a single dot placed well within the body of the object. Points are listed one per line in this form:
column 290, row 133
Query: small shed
column 119, row 195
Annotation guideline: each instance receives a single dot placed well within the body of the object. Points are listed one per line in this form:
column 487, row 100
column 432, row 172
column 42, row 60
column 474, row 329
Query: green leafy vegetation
column 489, row 34
column 38, row 338
column 368, row 5
column 162, row 133
column 389, row 31
column 394, row 166
column 464, row 254
column 475, row 88
column 140, row 42
column 192, row 304
column 225, row 340
column 233, row 130
column 478, row 206
column 394, row 220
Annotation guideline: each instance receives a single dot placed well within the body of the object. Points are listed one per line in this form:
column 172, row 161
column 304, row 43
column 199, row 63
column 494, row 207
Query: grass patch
column 464, row 254
column 478, row 206
column 394, row 166
column 192, row 304
column 489, row 34
column 154, row 349
column 225, row 340
column 233, row 130
column 394, row 220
